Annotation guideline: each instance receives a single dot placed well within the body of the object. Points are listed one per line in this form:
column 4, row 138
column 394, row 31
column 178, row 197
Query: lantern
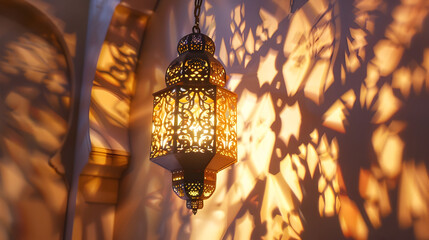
column 194, row 121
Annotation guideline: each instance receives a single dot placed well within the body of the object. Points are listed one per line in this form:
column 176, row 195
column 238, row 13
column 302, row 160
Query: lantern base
column 194, row 205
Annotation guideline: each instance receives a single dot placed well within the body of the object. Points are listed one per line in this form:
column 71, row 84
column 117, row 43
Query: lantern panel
column 194, row 187
column 226, row 126
column 194, row 204
column 196, row 70
column 183, row 45
column 195, row 120
column 178, row 183
column 196, row 43
column 209, row 46
column 174, row 73
column 217, row 76
column 209, row 183
column 208, row 189
column 163, row 123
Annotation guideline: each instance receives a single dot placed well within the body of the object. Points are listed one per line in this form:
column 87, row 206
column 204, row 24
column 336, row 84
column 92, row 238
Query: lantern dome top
column 195, row 64
column 196, row 42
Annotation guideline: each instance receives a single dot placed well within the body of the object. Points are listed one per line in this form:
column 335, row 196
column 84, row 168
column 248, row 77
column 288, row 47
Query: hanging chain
column 197, row 11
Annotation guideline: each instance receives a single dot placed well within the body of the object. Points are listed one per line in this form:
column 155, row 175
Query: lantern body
column 194, row 121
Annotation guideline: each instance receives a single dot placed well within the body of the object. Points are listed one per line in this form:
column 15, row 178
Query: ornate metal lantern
column 194, row 121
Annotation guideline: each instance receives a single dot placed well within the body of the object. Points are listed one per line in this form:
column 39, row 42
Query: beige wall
column 41, row 55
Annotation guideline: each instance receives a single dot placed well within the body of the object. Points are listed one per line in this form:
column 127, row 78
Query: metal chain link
column 197, row 11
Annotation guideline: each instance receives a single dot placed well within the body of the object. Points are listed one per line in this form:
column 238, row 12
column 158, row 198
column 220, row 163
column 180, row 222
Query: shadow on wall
column 112, row 90
column 35, row 92
column 332, row 123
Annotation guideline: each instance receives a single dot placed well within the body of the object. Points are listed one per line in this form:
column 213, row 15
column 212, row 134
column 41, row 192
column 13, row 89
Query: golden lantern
column 194, row 120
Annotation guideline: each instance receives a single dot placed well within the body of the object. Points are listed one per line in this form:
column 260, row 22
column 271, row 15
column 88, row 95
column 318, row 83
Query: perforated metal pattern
column 196, row 70
column 183, row 45
column 178, row 183
column 194, row 189
column 195, row 120
column 209, row 46
column 163, row 123
column 209, row 183
column 196, row 42
column 226, row 127
column 217, row 75
column 174, row 73
column 194, row 204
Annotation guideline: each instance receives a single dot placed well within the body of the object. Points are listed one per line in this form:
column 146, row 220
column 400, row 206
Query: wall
column 39, row 60
column 331, row 124
column 49, row 55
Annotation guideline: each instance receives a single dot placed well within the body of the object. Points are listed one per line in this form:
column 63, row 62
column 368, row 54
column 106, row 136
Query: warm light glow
column 389, row 107
column 351, row 220
column 335, row 117
column 389, row 148
column 291, row 123
column 267, row 70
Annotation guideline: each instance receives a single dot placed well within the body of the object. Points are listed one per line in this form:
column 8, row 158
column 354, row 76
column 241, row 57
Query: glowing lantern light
column 194, row 121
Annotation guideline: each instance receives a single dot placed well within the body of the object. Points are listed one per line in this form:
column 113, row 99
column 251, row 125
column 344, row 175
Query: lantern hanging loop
column 197, row 11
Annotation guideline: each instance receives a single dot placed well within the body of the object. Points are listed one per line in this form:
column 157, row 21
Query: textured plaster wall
column 41, row 66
